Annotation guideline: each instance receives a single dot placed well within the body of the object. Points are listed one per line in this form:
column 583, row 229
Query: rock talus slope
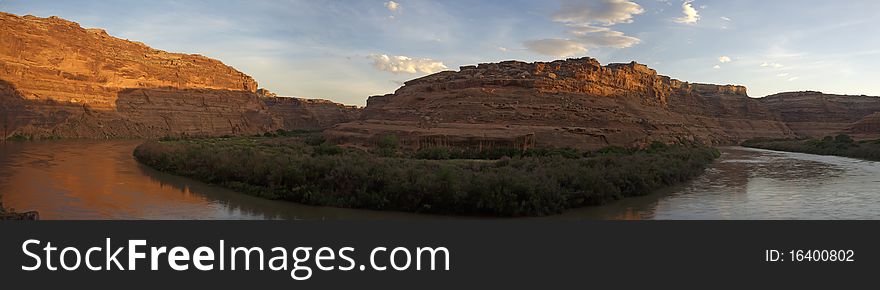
column 58, row 79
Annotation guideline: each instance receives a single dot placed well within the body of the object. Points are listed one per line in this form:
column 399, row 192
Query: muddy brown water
column 101, row 180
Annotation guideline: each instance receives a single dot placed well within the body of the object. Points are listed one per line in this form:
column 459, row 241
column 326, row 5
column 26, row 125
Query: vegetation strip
column 841, row 145
column 497, row 182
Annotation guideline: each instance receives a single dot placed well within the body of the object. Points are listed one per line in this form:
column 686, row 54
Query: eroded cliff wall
column 298, row 114
column 816, row 114
column 58, row 79
column 568, row 103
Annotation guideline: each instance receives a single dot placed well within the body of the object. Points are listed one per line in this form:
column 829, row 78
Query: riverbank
column 497, row 182
column 840, row 145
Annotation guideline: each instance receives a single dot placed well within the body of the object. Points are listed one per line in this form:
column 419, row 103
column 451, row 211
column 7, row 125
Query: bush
column 388, row 142
column 434, row 153
column 843, row 139
column 516, row 183
column 327, row 149
column 840, row 145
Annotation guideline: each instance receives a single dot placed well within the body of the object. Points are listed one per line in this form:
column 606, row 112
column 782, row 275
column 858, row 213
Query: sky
column 346, row 51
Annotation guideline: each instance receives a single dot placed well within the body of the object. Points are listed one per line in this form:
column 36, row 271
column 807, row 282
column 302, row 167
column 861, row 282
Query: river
column 77, row 180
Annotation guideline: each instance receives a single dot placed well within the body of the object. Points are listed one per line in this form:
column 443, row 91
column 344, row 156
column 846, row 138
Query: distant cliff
column 567, row 103
column 58, row 79
column 298, row 114
column 817, row 114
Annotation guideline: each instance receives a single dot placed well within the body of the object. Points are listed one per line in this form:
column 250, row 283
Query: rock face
column 867, row 127
column 58, row 79
column 817, row 114
column 572, row 103
column 298, row 114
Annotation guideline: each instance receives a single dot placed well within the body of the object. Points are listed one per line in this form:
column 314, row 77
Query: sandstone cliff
column 817, row 114
column 571, row 103
column 58, row 79
column 299, row 114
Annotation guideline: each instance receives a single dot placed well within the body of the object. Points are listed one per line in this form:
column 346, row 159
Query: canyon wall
column 58, row 79
column 568, row 103
column 816, row 114
column 299, row 114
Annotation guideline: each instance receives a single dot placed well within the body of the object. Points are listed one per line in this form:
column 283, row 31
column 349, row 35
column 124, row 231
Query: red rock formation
column 58, row 79
column 298, row 114
column 571, row 103
column 815, row 114
column 866, row 128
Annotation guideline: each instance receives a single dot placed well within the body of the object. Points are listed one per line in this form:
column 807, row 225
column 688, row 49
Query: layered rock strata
column 299, row 114
column 568, row 103
column 58, row 79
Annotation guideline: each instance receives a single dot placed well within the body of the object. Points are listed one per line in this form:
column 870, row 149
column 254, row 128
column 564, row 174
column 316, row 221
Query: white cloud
column 392, row 6
column 604, row 12
column 602, row 36
column 793, row 79
column 724, row 59
column 716, row 66
column 403, row 64
column 502, row 49
column 582, row 18
column 725, row 18
column 782, row 75
column 556, row 47
column 691, row 15
column 771, row 64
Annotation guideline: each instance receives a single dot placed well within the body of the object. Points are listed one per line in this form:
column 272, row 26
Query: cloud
column 691, row 15
column 604, row 12
column 588, row 26
column 771, row 64
column 602, row 36
column 403, row 64
column 724, row 59
column 502, row 49
column 716, row 66
column 725, row 18
column 782, row 75
column 793, row 79
column 392, row 6
column 556, row 47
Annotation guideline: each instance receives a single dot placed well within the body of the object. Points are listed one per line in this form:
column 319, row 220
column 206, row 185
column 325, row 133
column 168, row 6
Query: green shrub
column 388, row 142
column 327, row 149
column 434, row 153
column 840, row 145
column 843, row 139
column 506, row 182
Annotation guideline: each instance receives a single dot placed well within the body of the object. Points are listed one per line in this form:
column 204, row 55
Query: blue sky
column 348, row 50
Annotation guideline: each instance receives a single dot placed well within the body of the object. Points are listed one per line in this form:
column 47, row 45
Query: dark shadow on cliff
column 136, row 113
column 168, row 111
column 13, row 109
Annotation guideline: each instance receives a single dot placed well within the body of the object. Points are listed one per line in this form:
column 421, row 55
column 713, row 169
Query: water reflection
column 759, row 184
column 101, row 180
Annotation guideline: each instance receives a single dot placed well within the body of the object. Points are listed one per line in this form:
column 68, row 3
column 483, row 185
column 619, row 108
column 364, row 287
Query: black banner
column 481, row 254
